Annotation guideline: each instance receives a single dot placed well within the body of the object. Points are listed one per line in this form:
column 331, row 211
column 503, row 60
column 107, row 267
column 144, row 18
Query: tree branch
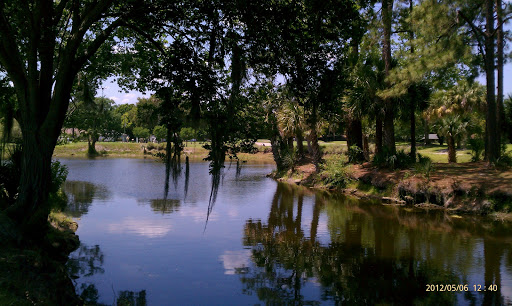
column 9, row 54
column 59, row 10
column 478, row 32
column 156, row 44
column 96, row 44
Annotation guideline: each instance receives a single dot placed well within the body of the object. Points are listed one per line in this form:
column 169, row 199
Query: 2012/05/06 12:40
column 460, row 287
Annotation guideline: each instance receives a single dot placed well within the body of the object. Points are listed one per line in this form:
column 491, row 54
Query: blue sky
column 112, row 91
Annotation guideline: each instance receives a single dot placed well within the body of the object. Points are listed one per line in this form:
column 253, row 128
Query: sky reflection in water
column 268, row 243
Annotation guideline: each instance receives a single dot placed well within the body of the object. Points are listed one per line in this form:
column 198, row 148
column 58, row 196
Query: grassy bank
column 460, row 188
column 194, row 150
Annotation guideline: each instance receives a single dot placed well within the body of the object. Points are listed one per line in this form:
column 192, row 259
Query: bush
column 505, row 160
column 150, row 146
column 477, row 146
column 400, row 160
column 59, row 173
column 355, row 154
column 424, row 166
column 335, row 174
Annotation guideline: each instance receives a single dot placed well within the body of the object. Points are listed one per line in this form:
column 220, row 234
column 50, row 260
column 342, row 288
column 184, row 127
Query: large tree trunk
column 389, row 113
column 413, row 127
column 493, row 145
column 290, row 144
column 277, row 151
column 366, row 148
column 91, row 149
column 355, row 136
column 452, row 153
column 378, row 135
column 32, row 208
column 412, row 95
column 313, row 136
column 500, row 119
column 300, row 144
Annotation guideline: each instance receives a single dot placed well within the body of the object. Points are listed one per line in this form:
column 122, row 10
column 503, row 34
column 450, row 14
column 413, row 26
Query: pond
column 269, row 243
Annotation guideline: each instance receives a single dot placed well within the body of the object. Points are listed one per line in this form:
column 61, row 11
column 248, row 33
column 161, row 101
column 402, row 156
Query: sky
column 112, row 91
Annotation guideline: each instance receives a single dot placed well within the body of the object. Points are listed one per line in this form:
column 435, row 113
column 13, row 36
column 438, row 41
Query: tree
column 188, row 133
column 307, row 42
column 97, row 119
column 147, row 112
column 160, row 132
column 128, row 115
column 141, row 132
column 453, row 109
column 389, row 146
column 451, row 127
column 43, row 46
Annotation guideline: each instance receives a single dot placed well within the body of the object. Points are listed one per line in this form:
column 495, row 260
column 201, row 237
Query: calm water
column 268, row 243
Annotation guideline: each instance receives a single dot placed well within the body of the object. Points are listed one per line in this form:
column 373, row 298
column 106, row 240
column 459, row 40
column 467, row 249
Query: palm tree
column 451, row 127
column 291, row 123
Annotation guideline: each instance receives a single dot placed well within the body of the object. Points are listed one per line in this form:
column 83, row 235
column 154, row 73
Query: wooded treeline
column 242, row 70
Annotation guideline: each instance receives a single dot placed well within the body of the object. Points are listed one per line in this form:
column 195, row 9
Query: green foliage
column 147, row 112
column 354, row 154
column 424, row 166
column 141, row 132
column 188, row 133
column 400, row 160
column 476, row 145
column 505, row 159
column 59, row 173
column 508, row 117
column 160, row 132
column 96, row 117
column 335, row 174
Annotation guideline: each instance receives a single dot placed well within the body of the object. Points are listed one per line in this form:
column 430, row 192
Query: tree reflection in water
column 80, row 196
column 88, row 261
column 376, row 254
column 165, row 206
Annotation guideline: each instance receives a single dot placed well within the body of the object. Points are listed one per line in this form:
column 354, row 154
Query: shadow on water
column 375, row 254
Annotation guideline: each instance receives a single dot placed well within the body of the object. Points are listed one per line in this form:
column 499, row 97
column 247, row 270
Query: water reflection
column 165, row 206
column 132, row 298
column 270, row 243
column 375, row 254
column 80, row 196
column 86, row 261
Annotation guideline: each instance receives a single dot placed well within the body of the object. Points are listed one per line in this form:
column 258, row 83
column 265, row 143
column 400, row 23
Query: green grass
column 439, row 154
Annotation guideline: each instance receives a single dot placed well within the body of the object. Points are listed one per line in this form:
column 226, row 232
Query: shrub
column 424, row 166
column 477, row 146
column 505, row 160
column 59, row 173
column 335, row 174
column 150, row 146
column 355, row 154
column 400, row 160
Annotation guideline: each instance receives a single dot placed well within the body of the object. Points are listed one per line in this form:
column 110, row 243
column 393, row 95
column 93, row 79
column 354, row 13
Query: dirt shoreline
column 469, row 188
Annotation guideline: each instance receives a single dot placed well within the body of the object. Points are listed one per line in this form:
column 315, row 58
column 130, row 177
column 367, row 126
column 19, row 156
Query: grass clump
column 335, row 173
column 424, row 166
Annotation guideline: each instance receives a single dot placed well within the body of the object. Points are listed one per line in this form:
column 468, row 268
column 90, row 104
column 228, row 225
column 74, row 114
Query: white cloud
column 235, row 261
column 150, row 228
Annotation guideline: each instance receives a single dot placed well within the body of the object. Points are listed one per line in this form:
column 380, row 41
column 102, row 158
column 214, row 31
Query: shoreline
column 488, row 193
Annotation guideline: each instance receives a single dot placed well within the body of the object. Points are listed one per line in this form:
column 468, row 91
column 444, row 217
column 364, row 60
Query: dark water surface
column 269, row 243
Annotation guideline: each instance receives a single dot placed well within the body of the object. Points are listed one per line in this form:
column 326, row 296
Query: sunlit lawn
column 437, row 153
